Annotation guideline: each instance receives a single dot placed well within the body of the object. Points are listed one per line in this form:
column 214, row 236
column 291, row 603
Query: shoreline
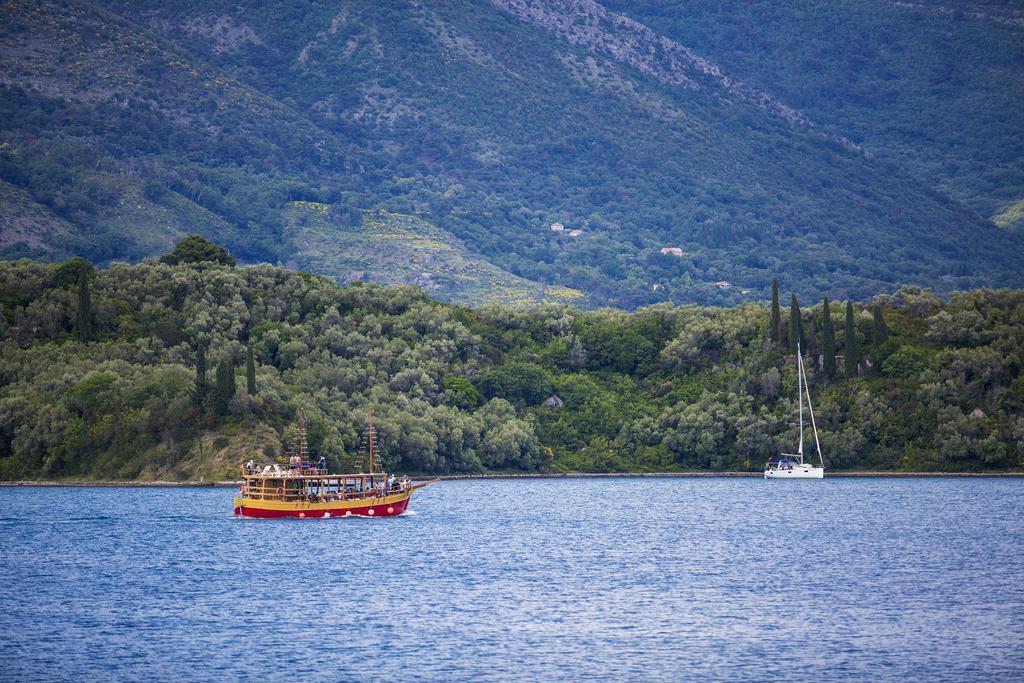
column 79, row 483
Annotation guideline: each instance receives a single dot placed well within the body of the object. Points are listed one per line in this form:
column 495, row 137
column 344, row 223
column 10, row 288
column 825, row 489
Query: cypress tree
column 828, row 341
column 84, row 319
column 250, row 372
column 852, row 351
column 225, row 387
column 217, row 402
column 776, row 321
column 811, row 347
column 202, row 385
column 879, row 332
column 230, row 387
column 796, row 327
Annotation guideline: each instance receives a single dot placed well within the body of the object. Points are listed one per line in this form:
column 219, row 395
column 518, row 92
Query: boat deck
column 287, row 486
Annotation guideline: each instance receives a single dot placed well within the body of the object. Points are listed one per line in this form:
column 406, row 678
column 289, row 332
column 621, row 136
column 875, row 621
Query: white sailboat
column 792, row 465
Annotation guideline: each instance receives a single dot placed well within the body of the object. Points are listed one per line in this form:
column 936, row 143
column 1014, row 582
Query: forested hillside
column 184, row 367
column 931, row 86
column 309, row 132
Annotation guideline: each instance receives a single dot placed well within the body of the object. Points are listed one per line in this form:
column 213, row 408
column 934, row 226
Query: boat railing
column 259, row 489
column 285, row 472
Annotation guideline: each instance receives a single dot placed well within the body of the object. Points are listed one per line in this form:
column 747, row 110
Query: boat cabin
column 782, row 463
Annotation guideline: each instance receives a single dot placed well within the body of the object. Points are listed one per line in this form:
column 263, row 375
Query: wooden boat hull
column 387, row 506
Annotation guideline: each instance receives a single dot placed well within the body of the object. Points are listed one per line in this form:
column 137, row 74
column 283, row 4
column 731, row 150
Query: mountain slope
column 393, row 249
column 935, row 87
column 490, row 121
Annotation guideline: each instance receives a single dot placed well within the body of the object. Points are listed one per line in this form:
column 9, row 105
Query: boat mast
column 814, row 428
column 303, row 450
column 369, row 440
column 800, row 398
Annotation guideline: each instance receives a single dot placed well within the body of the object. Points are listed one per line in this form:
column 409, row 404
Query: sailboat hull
column 795, row 472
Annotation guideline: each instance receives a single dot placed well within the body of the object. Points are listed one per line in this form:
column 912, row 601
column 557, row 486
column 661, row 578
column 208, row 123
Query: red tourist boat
column 305, row 490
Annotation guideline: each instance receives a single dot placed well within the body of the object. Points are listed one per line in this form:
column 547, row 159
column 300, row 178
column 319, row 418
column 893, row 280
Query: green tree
column 69, row 272
column 879, row 330
column 905, row 362
column 615, row 343
column 776, row 320
column 85, row 318
column 852, row 350
column 195, row 249
column 225, row 389
column 462, row 393
column 523, row 383
column 201, row 390
column 250, row 371
column 828, row 340
column 796, row 327
column 880, row 348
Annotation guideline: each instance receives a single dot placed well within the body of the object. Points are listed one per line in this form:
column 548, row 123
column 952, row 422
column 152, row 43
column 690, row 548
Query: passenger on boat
column 249, row 467
column 322, row 465
column 294, row 462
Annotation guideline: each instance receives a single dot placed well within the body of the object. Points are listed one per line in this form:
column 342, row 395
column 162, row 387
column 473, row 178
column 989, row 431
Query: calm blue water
column 624, row 579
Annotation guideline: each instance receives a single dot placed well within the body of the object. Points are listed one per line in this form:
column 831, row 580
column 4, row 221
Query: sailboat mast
column 814, row 428
column 800, row 398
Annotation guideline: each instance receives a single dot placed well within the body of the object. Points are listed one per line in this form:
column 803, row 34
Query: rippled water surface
column 562, row 579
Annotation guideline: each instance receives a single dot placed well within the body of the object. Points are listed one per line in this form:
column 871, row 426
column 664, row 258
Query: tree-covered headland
column 182, row 367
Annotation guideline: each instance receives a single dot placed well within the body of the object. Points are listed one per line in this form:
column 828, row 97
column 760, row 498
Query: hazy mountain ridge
column 996, row 12
column 930, row 87
column 581, row 22
column 489, row 121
